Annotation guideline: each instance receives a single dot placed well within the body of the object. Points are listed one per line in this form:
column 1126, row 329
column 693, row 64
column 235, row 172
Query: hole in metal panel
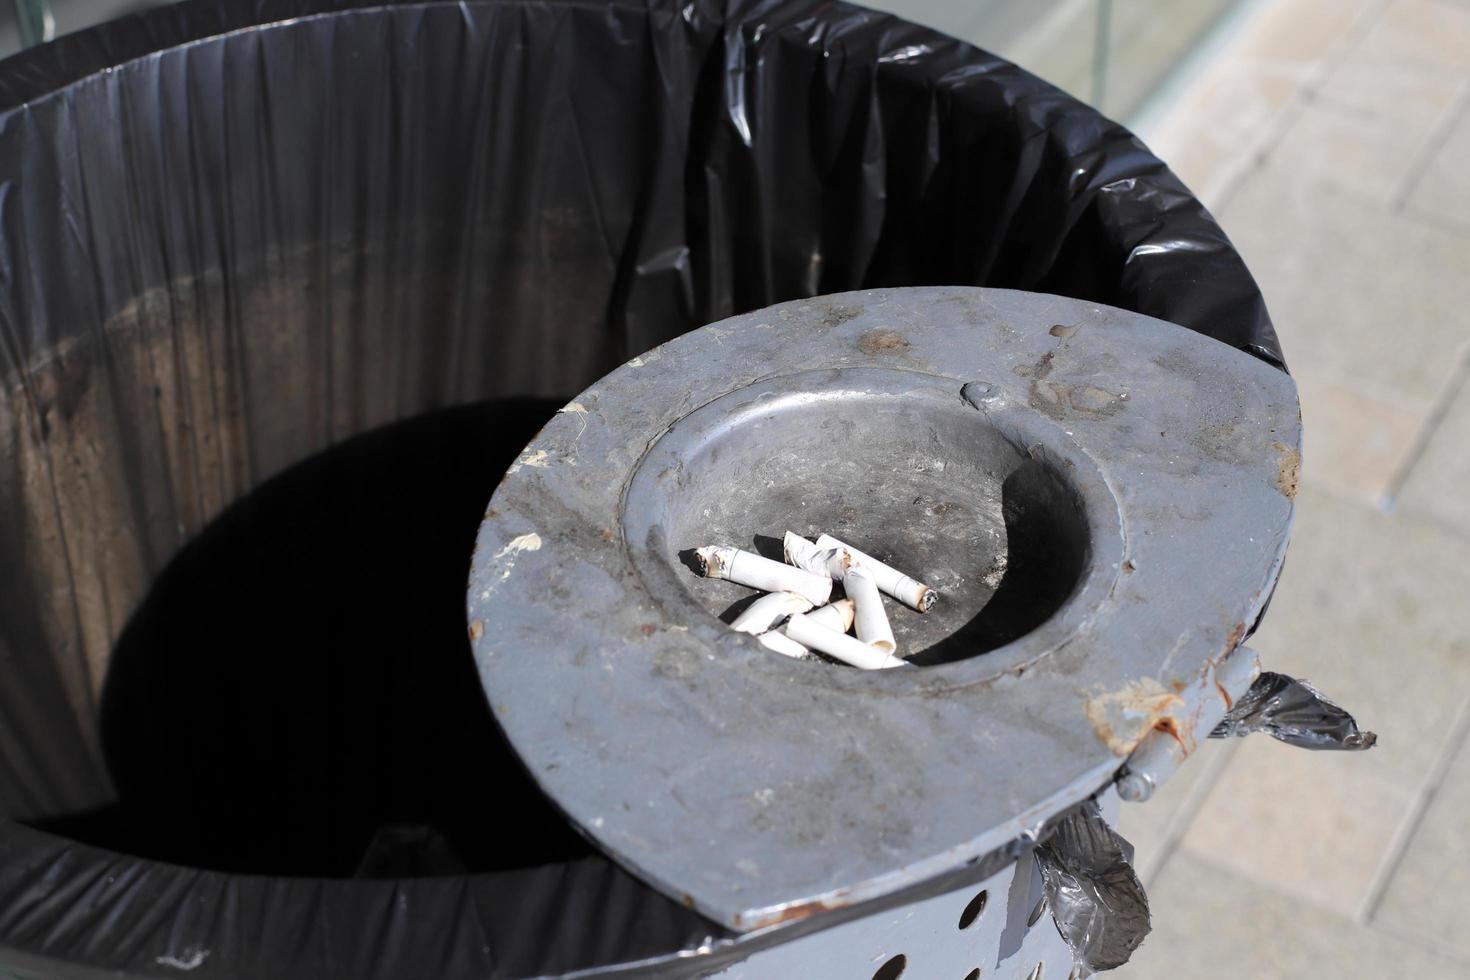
column 1037, row 912
column 1036, row 973
column 973, row 974
column 893, row 969
column 973, row 910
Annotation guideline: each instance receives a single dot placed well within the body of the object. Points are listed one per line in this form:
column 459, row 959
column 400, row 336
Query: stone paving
column 1330, row 137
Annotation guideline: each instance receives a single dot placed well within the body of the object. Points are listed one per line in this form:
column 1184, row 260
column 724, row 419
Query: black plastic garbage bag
column 1095, row 897
column 235, row 236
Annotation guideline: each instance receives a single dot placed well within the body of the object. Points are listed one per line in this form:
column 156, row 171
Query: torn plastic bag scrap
column 1294, row 712
column 1096, row 899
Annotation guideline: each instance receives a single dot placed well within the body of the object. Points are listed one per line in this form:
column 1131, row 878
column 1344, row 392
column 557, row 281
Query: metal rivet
column 977, row 393
column 1135, row 787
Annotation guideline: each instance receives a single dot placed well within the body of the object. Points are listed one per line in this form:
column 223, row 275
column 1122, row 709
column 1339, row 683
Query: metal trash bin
column 234, row 238
column 1101, row 500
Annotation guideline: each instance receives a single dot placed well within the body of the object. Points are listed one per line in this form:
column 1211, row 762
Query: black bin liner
column 284, row 284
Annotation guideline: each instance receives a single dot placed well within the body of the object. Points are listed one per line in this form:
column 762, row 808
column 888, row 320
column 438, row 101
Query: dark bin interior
column 284, row 287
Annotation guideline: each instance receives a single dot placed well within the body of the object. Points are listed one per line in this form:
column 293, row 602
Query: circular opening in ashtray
column 984, row 508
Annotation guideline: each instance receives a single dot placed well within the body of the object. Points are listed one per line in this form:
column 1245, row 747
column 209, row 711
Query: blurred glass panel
column 33, row 22
column 1052, row 38
column 1114, row 54
column 18, row 17
column 1147, row 40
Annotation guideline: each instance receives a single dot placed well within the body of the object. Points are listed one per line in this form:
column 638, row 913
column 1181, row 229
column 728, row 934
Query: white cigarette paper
column 744, row 568
column 818, row 637
column 915, row 595
column 835, row 615
column 769, row 610
column 871, row 620
column 784, row 645
column 797, row 548
column 831, row 562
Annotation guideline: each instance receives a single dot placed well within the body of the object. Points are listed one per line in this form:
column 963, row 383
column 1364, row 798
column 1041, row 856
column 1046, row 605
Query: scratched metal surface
column 763, row 790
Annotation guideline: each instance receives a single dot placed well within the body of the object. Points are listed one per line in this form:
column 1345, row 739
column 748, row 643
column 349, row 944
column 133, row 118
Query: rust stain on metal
column 1128, row 566
column 477, row 629
column 801, row 910
column 1225, row 696
column 648, row 629
column 1170, row 727
column 1289, row 468
column 882, row 341
column 1121, row 718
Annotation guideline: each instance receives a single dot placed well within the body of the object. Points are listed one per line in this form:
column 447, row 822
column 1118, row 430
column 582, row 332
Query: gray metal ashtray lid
column 1102, row 499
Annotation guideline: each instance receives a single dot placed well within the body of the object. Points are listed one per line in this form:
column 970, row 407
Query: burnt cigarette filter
column 912, row 593
column 744, row 568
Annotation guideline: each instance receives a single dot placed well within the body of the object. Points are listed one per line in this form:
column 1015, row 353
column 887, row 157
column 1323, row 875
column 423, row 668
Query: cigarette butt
column 831, row 562
column 769, row 610
column 855, row 652
column 784, row 645
column 744, row 568
column 835, row 615
column 870, row 619
column 912, row 593
column 797, row 548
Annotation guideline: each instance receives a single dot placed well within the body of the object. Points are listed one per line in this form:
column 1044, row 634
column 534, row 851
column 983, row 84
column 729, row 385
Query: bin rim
column 171, row 903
